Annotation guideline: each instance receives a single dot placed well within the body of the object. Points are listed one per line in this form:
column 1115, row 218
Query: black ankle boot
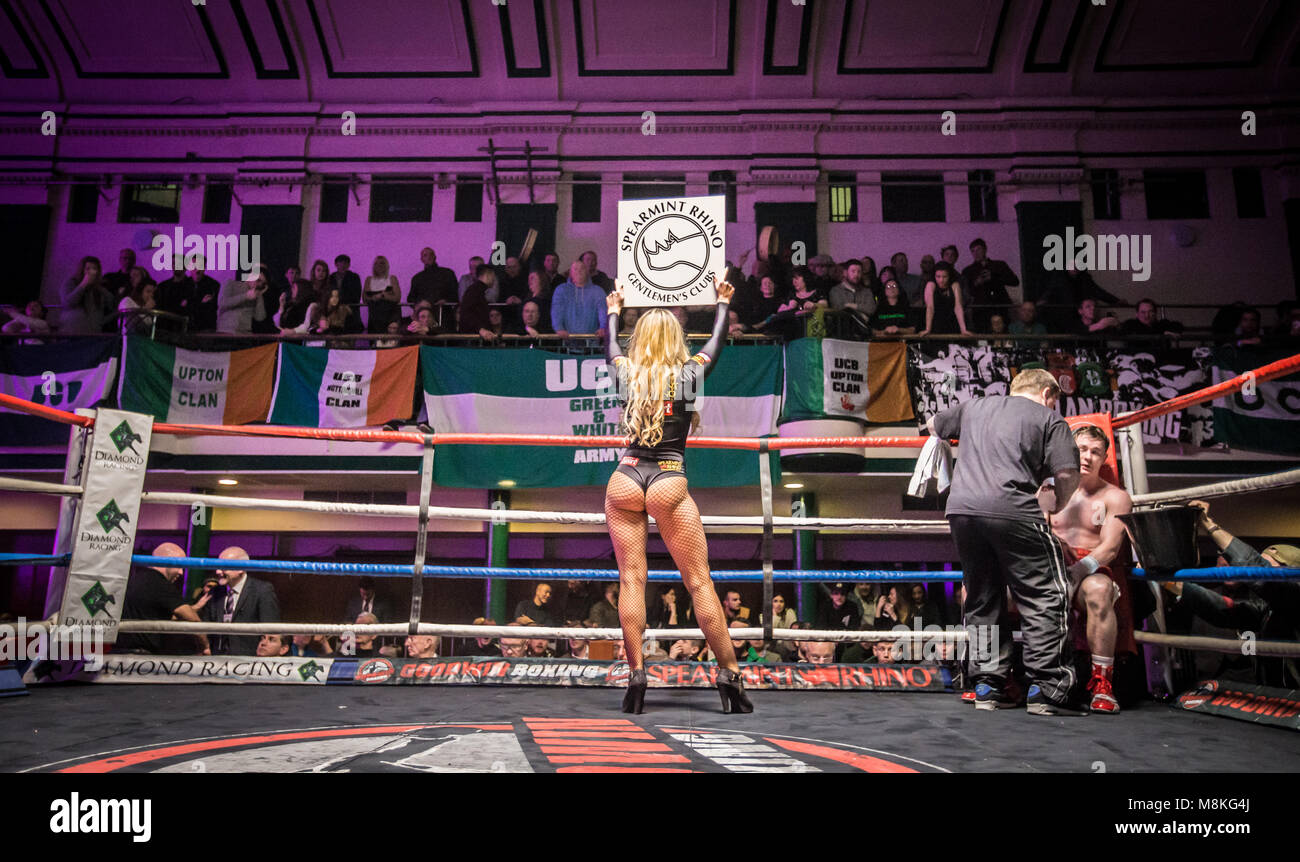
column 731, row 685
column 634, row 700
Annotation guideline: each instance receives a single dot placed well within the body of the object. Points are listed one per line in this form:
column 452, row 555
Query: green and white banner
column 538, row 392
column 1264, row 416
column 106, row 522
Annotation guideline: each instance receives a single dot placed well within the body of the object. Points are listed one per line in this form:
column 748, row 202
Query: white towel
column 933, row 469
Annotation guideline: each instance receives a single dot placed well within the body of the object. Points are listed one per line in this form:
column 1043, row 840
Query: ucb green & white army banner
column 537, row 392
column 112, row 479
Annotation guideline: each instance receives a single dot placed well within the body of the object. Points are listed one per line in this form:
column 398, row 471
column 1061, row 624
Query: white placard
column 670, row 249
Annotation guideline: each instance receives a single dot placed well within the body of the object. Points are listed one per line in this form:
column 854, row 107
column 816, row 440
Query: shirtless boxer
column 1094, row 538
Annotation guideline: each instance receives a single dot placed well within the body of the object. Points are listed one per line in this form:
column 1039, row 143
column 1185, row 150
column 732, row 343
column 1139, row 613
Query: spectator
column 366, row 645
column 926, row 274
column 893, row 315
column 745, row 651
column 279, row 288
column 806, row 295
column 513, row 647
column 132, row 311
column 733, row 609
column 924, row 607
column 1062, row 293
column 598, row 278
column 839, row 614
column 368, row 601
column 758, row 310
column 538, row 648
column 119, row 282
column 421, row 322
column 687, row 650
column 1248, row 330
column 852, row 294
column 871, row 278
column 382, row 294
column 669, row 610
column 782, row 618
column 864, row 596
column 604, row 613
column 578, row 306
column 512, row 282
column 433, row 284
column 152, row 594
column 298, row 309
column 944, row 314
column 911, row 284
column 627, row 322
column 86, row 302
column 998, row 326
column 347, row 281
column 534, row 611
column 539, row 294
column 1149, row 322
column 1027, row 322
column 820, row 267
column 887, row 274
column 30, row 320
column 336, row 318
column 245, row 599
column 320, row 282
column 1271, row 608
column 893, row 608
column 987, row 281
column 949, row 254
column 422, row 646
column 551, row 274
column 271, row 646
column 482, row 646
column 240, row 303
column 470, row 276
column 1087, row 321
column 1288, row 321
column 474, row 317
column 874, row 651
column 497, row 324
column 577, row 599
column 310, row 645
column 816, row 652
column 203, row 298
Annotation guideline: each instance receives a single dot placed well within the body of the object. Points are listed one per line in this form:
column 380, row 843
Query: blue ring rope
column 1223, row 573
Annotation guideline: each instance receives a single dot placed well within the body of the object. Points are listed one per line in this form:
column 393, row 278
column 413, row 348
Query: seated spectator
column 298, row 309
column 1087, row 321
column 497, row 324
column 670, row 611
column 745, row 651
column 239, row 304
column 1149, row 322
column 538, row 648
column 132, row 311
column 347, row 282
column 336, row 318
column 1248, row 330
column 421, row 646
column 604, row 613
column 687, row 650
column 864, row 596
column 893, row 315
column 474, row 316
column 514, row 647
column 1271, row 608
column 806, row 296
column 30, row 320
column 421, row 322
column 869, row 652
column 578, row 649
column 85, row 303
column 152, row 594
column 1288, row 321
column 924, row 608
column 760, row 307
column 944, row 314
column 482, row 646
column 1063, row 290
column 577, row 599
column 893, row 608
column 382, row 295
column 998, row 326
column 823, row 279
column 534, row 611
column 816, row 652
column 732, row 607
column 535, row 321
column 310, row 645
column 627, row 322
column 368, row 645
column 272, row 646
column 367, row 600
column 783, row 617
column 852, row 294
column 839, row 614
column 1027, row 322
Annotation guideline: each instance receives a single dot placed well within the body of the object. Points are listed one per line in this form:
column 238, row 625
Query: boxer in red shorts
column 1094, row 541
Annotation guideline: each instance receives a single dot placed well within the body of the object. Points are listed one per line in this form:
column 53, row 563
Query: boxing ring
column 493, row 715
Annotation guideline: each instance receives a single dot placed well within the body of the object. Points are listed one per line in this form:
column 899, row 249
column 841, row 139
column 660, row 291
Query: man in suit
column 367, row 601
column 244, row 600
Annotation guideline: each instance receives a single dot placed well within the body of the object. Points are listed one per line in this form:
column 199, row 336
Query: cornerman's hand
column 614, row 301
column 724, row 289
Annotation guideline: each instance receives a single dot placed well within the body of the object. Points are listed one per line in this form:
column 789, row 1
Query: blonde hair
column 374, row 268
column 1034, row 380
column 655, row 356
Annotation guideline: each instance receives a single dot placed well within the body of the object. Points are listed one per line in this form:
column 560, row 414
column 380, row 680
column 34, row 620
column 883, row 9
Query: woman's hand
column 614, row 302
column 724, row 289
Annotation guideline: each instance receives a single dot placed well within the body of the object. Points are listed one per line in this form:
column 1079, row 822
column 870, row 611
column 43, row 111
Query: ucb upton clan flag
column 850, row 379
column 189, row 386
column 319, row 388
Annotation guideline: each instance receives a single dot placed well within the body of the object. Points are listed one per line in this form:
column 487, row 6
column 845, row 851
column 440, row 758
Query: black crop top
column 677, row 413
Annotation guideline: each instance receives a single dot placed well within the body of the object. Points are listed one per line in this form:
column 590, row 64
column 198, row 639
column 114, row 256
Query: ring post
column 498, row 556
column 422, row 534
column 765, row 488
column 1134, row 467
column 804, row 505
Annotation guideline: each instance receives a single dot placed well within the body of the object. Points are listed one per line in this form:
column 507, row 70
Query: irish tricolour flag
column 189, row 386
column 537, row 392
column 319, row 388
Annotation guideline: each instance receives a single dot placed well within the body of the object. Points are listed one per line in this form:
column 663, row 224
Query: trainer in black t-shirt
column 150, row 596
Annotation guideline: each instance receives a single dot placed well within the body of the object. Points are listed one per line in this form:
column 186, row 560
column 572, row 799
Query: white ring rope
column 520, row 632
column 1266, row 482
column 1280, row 649
column 34, row 487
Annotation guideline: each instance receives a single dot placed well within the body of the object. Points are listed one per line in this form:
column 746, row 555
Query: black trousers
column 997, row 554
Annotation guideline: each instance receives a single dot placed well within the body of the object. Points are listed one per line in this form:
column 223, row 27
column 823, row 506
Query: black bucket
column 1165, row 537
